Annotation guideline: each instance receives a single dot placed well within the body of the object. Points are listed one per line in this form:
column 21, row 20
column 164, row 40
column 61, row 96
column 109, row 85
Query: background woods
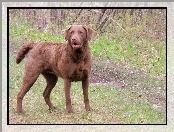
column 127, row 23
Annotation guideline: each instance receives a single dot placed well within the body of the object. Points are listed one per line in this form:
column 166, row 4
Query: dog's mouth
column 76, row 45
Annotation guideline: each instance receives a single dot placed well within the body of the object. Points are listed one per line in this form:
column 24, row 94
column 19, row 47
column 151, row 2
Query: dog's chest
column 78, row 72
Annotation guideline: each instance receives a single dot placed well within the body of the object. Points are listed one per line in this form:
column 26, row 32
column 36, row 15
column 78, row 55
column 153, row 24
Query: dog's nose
column 73, row 39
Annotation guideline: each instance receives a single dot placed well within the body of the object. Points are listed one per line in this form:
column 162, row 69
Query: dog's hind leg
column 29, row 79
column 51, row 82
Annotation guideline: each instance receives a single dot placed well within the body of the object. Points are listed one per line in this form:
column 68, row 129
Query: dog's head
column 78, row 35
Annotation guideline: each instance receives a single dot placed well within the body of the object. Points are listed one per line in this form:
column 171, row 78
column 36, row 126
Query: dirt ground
column 132, row 79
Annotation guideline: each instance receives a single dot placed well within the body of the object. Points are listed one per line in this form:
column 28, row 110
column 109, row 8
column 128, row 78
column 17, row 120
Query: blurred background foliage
column 114, row 23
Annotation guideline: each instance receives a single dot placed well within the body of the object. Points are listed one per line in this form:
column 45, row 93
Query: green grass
column 150, row 56
column 110, row 105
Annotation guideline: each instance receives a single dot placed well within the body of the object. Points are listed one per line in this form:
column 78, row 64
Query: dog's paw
column 89, row 109
column 20, row 112
column 69, row 111
column 52, row 109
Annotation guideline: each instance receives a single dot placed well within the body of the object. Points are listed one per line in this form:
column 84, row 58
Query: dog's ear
column 67, row 34
column 88, row 32
column 89, row 35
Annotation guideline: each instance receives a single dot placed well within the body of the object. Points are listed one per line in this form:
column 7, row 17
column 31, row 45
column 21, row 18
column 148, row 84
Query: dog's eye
column 80, row 32
column 71, row 32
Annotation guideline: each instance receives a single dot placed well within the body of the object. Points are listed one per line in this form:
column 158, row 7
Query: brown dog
column 71, row 61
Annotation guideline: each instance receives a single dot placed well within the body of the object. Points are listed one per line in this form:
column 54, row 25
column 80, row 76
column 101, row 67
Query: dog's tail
column 23, row 51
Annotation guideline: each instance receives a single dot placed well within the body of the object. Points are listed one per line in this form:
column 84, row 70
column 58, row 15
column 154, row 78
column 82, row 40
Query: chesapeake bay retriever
column 71, row 61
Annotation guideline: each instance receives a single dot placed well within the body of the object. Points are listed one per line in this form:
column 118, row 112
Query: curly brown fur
column 71, row 61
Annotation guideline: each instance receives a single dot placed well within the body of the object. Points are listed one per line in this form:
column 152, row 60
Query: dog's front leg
column 85, row 84
column 67, row 85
